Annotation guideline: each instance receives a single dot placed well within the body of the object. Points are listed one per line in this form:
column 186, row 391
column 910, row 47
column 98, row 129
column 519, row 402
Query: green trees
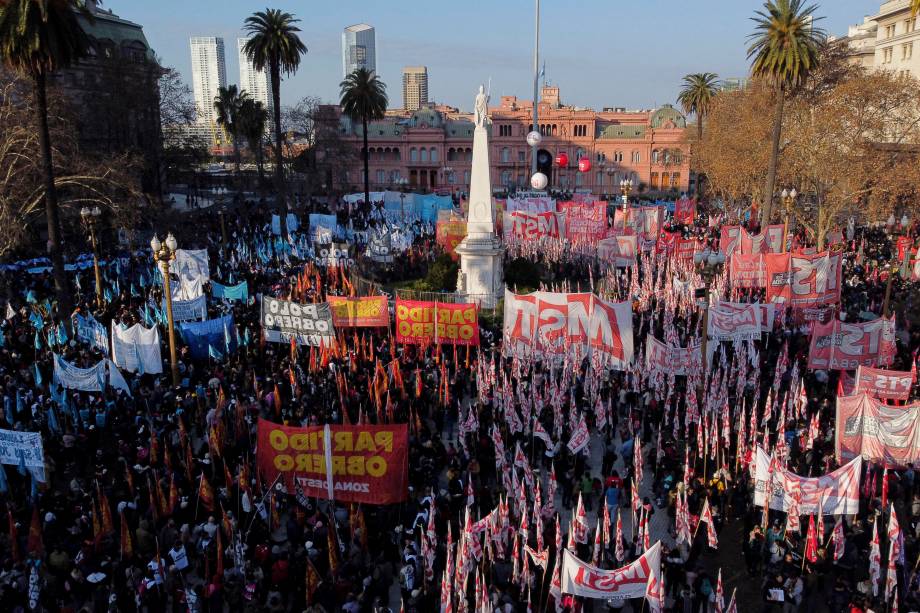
column 785, row 49
column 253, row 122
column 364, row 97
column 696, row 96
column 228, row 105
column 36, row 38
column 275, row 46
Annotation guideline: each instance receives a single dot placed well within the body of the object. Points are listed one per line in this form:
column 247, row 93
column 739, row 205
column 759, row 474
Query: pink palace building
column 432, row 148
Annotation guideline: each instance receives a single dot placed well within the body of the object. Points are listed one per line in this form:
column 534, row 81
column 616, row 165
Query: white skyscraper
column 254, row 82
column 358, row 48
column 209, row 72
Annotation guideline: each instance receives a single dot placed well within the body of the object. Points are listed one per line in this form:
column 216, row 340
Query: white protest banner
column 618, row 250
column 881, row 434
column 25, row 448
column 889, row 384
column 323, row 228
column 92, row 332
column 195, row 309
column 310, row 324
column 639, row 579
column 521, row 226
column 75, row 378
column 535, row 204
column 837, row 492
column 136, row 349
column 192, row 263
column 727, row 322
column 666, row 358
column 767, row 311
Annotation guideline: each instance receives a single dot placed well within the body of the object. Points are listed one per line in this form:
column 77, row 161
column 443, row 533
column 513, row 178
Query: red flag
column 127, row 546
column 15, row 552
column 206, row 494
column 35, row 544
column 706, row 516
column 220, row 557
column 885, row 488
column 811, row 541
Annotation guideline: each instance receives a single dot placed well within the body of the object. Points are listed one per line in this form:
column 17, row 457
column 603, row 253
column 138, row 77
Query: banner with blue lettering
column 205, row 337
column 91, row 332
column 189, row 310
column 240, row 291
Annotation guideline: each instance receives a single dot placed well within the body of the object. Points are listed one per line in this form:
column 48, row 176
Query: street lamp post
column 222, row 212
column 90, row 219
column 163, row 254
column 708, row 264
column 904, row 270
column 788, row 200
column 611, row 171
column 402, row 182
column 626, row 186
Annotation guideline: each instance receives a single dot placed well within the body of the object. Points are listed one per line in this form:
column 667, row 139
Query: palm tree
column 253, row 121
column 696, row 97
column 364, row 97
column 228, row 105
column 785, row 48
column 275, row 46
column 36, row 38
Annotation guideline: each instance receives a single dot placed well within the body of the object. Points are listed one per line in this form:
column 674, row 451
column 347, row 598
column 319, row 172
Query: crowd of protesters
column 151, row 500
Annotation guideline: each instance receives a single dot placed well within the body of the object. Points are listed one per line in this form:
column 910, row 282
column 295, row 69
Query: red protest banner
column 420, row 322
column 521, row 226
column 364, row 312
column 584, row 222
column 685, row 211
column 366, row 464
column 887, row 384
column 842, row 346
column 803, row 280
column 747, row 270
column 881, row 434
column 449, row 234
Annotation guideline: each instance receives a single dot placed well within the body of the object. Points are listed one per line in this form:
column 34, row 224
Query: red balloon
column 562, row 160
column 584, row 165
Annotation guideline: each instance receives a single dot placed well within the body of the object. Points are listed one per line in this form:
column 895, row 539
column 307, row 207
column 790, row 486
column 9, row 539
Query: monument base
column 480, row 277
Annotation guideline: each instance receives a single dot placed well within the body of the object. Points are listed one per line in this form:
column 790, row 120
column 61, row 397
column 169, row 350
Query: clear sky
column 629, row 53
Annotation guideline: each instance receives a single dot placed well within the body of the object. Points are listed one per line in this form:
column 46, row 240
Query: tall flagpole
column 536, row 80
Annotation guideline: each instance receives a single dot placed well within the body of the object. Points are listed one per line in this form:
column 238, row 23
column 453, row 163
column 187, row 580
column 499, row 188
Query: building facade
column 359, row 48
column 432, row 148
column 888, row 40
column 254, row 82
column 114, row 92
column 209, row 72
column 414, row 87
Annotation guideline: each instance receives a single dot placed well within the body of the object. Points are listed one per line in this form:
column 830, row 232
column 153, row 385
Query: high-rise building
column 254, row 82
column 209, row 72
column 358, row 48
column 415, row 87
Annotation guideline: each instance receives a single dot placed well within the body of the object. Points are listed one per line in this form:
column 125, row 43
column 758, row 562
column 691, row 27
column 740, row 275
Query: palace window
column 413, row 154
column 636, row 157
column 381, row 176
column 522, row 155
column 434, row 154
column 424, row 155
column 505, row 155
column 504, row 130
column 618, row 156
column 506, row 178
column 907, row 51
column 654, row 182
column 886, row 55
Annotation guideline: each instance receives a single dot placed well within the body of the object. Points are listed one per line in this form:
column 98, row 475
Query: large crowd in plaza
column 153, row 496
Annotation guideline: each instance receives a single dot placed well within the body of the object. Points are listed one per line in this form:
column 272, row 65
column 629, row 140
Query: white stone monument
column 481, row 252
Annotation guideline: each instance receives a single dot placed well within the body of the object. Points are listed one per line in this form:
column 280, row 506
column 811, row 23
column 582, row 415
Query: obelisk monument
column 481, row 252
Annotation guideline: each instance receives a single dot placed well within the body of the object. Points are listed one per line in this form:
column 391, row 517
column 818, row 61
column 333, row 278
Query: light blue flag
column 134, row 292
column 62, row 337
column 8, row 410
column 107, row 294
column 226, row 338
column 30, row 297
column 213, row 353
column 19, row 404
column 246, row 339
column 52, row 421
column 4, row 486
column 22, row 464
column 38, row 376
column 38, row 342
column 76, row 282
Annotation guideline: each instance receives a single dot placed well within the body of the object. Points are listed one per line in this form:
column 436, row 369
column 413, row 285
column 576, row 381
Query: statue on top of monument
column 482, row 107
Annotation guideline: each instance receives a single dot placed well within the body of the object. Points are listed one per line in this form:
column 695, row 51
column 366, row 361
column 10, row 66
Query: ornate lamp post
column 897, row 231
column 90, row 219
column 402, row 182
column 163, row 254
column 626, row 186
column 788, row 198
column 708, row 264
